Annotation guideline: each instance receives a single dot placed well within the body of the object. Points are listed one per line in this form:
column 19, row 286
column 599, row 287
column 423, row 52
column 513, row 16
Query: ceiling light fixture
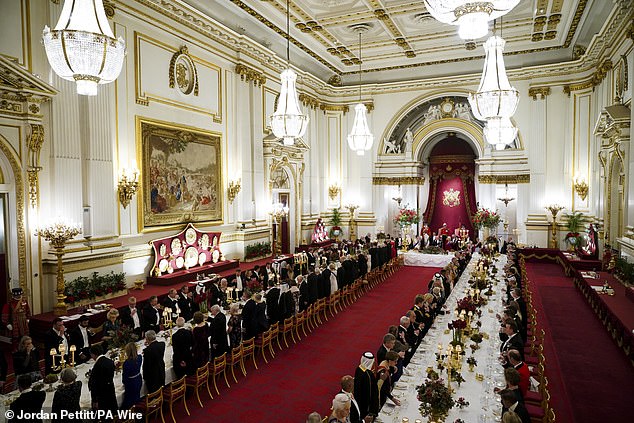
column 82, row 47
column 360, row 138
column 472, row 17
column 288, row 122
column 496, row 100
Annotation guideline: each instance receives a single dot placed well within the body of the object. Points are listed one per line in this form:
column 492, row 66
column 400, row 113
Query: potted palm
column 574, row 224
column 335, row 221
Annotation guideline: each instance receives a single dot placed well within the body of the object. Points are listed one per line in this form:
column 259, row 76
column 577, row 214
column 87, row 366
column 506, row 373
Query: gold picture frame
column 181, row 174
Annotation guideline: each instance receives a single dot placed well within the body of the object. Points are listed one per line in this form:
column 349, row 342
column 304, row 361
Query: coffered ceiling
column 400, row 40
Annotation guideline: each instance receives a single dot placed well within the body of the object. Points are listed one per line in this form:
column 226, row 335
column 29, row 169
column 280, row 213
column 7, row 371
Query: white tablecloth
column 413, row 258
column 484, row 404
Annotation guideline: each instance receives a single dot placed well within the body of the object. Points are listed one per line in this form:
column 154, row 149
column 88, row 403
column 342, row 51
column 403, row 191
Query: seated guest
column 101, row 381
column 68, row 393
column 218, row 332
column 200, row 335
column 80, row 338
column 510, row 403
column 131, row 317
column 347, row 387
column 366, row 390
column 132, row 380
column 384, row 378
column 340, row 409
column 182, row 345
column 29, row 401
column 153, row 363
column 52, row 339
column 186, row 303
column 514, row 342
column 234, row 325
column 171, row 302
column 26, row 360
column 110, row 327
column 152, row 315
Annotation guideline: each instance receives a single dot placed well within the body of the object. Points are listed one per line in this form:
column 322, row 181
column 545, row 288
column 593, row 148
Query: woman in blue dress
column 132, row 380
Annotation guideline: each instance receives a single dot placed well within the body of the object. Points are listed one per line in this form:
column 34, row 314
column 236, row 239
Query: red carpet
column 305, row 377
column 590, row 379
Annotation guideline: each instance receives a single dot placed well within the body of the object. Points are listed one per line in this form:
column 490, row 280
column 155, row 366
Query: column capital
column 541, row 92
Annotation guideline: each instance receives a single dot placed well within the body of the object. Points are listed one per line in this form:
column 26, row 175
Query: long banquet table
column 484, row 404
column 414, row 258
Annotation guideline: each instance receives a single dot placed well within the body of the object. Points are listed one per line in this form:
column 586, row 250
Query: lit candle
column 52, row 353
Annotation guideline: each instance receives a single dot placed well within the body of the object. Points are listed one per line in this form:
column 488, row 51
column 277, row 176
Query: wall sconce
column 333, row 191
column 128, row 185
column 581, row 187
column 233, row 190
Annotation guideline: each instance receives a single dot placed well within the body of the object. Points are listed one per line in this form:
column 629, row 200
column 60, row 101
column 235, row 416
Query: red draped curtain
column 452, row 198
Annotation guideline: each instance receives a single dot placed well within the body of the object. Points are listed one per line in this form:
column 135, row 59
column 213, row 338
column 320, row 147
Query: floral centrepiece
column 435, row 397
column 88, row 288
column 254, row 286
column 485, row 218
column 122, row 336
column 407, row 216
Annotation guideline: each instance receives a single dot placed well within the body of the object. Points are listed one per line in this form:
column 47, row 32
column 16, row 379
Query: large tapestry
column 181, row 173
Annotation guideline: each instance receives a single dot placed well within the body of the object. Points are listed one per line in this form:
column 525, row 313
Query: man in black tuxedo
column 52, row 339
column 513, row 342
column 510, row 403
column 131, row 317
column 239, row 283
column 313, row 285
column 406, row 337
column 153, row 363
column 249, row 318
column 218, row 332
column 347, row 387
column 186, row 303
column 215, row 294
column 27, row 402
column 101, row 381
column 182, row 344
column 324, row 282
column 152, row 316
column 262, row 323
column 171, row 302
column 80, row 338
column 388, row 344
column 273, row 304
column 304, row 293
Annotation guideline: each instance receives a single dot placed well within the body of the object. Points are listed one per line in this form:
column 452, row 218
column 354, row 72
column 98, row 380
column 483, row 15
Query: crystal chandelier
column 472, row 17
column 288, row 122
column 82, row 47
column 499, row 132
column 360, row 138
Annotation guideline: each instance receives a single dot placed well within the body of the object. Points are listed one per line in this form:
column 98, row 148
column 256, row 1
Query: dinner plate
column 202, row 258
column 204, row 242
column 163, row 265
column 191, row 257
column 190, row 236
column 177, row 247
column 179, row 262
column 215, row 256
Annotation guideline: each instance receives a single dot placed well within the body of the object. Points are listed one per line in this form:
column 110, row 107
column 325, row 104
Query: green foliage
column 574, row 222
column 257, row 250
column 335, row 219
column 96, row 285
column 624, row 270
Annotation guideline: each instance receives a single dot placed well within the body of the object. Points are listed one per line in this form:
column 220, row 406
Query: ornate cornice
column 504, row 179
column 541, row 92
column 399, row 180
column 248, row 74
column 594, row 80
column 314, row 103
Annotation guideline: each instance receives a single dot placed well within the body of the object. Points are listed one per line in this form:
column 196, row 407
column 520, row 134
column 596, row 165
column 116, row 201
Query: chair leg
column 172, row 412
column 304, row 329
column 161, row 411
column 208, row 391
column 198, row 397
column 285, row 341
column 233, row 373
column 271, row 349
column 215, row 385
column 254, row 363
column 225, row 375
column 264, row 355
column 244, row 370
column 277, row 339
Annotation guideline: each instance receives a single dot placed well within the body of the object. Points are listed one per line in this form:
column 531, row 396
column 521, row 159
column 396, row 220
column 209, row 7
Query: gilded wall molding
column 541, row 92
column 34, row 144
column 183, row 74
column 248, row 74
column 504, row 179
column 399, row 180
column 594, row 80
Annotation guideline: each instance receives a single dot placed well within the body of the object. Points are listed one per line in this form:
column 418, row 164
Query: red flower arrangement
column 485, row 218
column 467, row 305
column 254, row 286
column 407, row 216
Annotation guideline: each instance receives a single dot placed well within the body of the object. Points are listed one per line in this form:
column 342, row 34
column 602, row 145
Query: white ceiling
column 401, row 41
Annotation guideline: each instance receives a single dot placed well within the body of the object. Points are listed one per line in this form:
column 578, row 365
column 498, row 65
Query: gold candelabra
column 554, row 209
column 61, row 351
column 233, row 190
column 128, row 185
column 278, row 213
column 353, row 229
column 168, row 323
column 581, row 187
column 57, row 234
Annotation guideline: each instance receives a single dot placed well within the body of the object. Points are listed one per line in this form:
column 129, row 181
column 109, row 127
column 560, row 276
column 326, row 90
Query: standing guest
column 510, row 403
column 384, row 376
column 171, row 302
column 131, row 317
column 67, row 394
column 215, row 294
column 224, row 293
column 512, row 379
column 406, row 337
column 153, row 363
column 182, row 344
column 101, row 381
column 249, row 317
column 414, row 329
column 110, row 327
column 312, row 280
column 347, row 387
column 340, row 409
column 16, row 314
column 304, row 293
column 29, row 401
column 200, row 335
column 334, row 284
column 513, row 342
column 132, row 380
column 218, row 332
column 186, row 303
column 52, row 339
column 261, row 322
column 26, row 360
column 239, row 283
column 80, row 338
column 295, row 295
column 273, row 304
column 152, row 315
column 366, row 390
column 234, row 326
column 388, row 344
